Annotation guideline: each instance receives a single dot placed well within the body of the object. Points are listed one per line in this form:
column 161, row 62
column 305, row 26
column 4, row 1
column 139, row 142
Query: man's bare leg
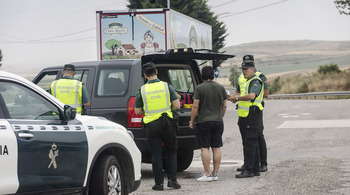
column 206, row 160
column 216, row 159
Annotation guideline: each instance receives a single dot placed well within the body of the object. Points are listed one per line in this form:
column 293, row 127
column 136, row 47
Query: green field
column 279, row 68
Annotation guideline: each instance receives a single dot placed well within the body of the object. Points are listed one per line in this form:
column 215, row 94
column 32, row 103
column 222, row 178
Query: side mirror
column 69, row 113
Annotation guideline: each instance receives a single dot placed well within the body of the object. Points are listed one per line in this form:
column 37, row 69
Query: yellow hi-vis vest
column 156, row 100
column 242, row 80
column 69, row 92
column 243, row 106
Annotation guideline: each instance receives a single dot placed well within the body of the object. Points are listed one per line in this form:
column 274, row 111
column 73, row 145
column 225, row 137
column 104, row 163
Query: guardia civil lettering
column 4, row 150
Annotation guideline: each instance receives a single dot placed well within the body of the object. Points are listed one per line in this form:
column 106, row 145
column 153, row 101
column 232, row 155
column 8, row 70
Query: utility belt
column 254, row 109
column 167, row 121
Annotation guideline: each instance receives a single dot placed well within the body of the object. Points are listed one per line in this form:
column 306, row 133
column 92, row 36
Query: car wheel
column 184, row 159
column 107, row 177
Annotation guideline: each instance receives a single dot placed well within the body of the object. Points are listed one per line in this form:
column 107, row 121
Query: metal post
column 168, row 4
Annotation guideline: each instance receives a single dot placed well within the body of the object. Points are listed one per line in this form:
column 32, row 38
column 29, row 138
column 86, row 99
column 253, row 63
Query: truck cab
column 113, row 84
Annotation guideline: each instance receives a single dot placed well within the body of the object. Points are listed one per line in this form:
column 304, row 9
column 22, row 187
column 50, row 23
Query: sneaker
column 174, row 184
column 205, row 178
column 214, row 177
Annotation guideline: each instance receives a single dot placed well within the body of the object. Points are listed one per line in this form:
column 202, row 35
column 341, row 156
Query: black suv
column 112, row 86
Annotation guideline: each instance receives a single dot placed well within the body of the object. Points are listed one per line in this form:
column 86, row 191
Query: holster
column 167, row 121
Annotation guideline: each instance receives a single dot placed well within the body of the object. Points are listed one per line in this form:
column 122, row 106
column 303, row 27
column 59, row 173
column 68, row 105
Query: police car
column 46, row 148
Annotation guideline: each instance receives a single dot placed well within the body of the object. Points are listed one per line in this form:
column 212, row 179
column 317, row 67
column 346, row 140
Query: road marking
column 298, row 124
column 197, row 162
column 289, row 115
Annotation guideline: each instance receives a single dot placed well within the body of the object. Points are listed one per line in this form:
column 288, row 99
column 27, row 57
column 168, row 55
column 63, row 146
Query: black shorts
column 210, row 134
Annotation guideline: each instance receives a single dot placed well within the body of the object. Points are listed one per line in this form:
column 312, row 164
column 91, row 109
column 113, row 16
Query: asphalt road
column 308, row 153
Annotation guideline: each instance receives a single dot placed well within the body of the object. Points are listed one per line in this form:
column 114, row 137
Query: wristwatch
column 237, row 98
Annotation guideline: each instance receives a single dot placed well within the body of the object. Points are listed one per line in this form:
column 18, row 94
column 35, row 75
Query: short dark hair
column 149, row 69
column 207, row 73
column 69, row 67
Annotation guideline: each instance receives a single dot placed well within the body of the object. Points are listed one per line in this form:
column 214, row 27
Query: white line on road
column 197, row 162
column 314, row 124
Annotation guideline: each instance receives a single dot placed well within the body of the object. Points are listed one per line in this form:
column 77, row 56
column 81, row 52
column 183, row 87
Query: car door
column 52, row 154
column 8, row 154
column 46, row 77
column 86, row 76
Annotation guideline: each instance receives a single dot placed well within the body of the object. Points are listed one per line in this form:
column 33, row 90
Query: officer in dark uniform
column 156, row 99
column 70, row 91
column 261, row 138
column 249, row 112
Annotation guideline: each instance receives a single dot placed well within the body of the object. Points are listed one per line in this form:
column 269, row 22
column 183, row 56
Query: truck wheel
column 107, row 177
column 184, row 159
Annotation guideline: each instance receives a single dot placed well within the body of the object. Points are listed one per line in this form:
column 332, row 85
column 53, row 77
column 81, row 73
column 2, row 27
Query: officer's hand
column 234, row 99
column 230, row 98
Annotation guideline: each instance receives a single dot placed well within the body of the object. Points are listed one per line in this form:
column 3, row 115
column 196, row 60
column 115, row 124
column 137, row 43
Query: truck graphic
column 132, row 33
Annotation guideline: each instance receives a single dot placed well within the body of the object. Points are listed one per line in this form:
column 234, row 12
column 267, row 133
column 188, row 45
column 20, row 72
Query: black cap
column 69, row 67
column 148, row 65
column 248, row 58
column 247, row 65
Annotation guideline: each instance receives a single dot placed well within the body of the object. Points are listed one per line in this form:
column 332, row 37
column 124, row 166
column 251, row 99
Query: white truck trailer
column 132, row 33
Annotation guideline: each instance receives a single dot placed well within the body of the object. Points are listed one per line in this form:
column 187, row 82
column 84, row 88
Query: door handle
column 25, row 135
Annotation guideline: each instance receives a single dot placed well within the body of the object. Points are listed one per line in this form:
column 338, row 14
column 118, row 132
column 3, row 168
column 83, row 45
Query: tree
column 0, row 58
column 343, row 6
column 197, row 9
column 329, row 68
column 234, row 75
column 112, row 44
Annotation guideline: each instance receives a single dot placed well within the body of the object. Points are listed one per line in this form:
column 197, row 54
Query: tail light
column 133, row 119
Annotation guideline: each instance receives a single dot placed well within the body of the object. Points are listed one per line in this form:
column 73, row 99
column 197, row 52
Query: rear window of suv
column 112, row 82
column 181, row 80
column 179, row 77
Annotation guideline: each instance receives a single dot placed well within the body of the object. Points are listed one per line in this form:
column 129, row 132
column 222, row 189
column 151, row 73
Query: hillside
column 285, row 56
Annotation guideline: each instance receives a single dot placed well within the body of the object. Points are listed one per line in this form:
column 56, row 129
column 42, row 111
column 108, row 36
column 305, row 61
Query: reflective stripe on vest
column 69, row 92
column 243, row 106
column 156, row 100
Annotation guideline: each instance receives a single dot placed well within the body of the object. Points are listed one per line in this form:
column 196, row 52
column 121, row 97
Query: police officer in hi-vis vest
column 156, row 99
column 261, row 138
column 249, row 112
column 69, row 91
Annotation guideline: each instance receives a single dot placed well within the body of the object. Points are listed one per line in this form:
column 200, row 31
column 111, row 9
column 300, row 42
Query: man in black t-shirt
column 209, row 102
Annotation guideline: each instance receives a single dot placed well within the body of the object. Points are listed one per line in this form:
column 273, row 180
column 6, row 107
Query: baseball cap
column 69, row 67
column 248, row 58
column 148, row 65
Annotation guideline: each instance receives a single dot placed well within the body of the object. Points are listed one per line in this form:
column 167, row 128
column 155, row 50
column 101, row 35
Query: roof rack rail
column 206, row 50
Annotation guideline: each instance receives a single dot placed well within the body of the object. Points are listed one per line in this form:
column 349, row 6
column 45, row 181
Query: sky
column 39, row 33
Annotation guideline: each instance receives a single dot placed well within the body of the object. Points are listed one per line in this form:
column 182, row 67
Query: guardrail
column 307, row 95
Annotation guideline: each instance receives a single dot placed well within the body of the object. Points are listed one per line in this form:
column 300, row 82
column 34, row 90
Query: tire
column 107, row 177
column 184, row 159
